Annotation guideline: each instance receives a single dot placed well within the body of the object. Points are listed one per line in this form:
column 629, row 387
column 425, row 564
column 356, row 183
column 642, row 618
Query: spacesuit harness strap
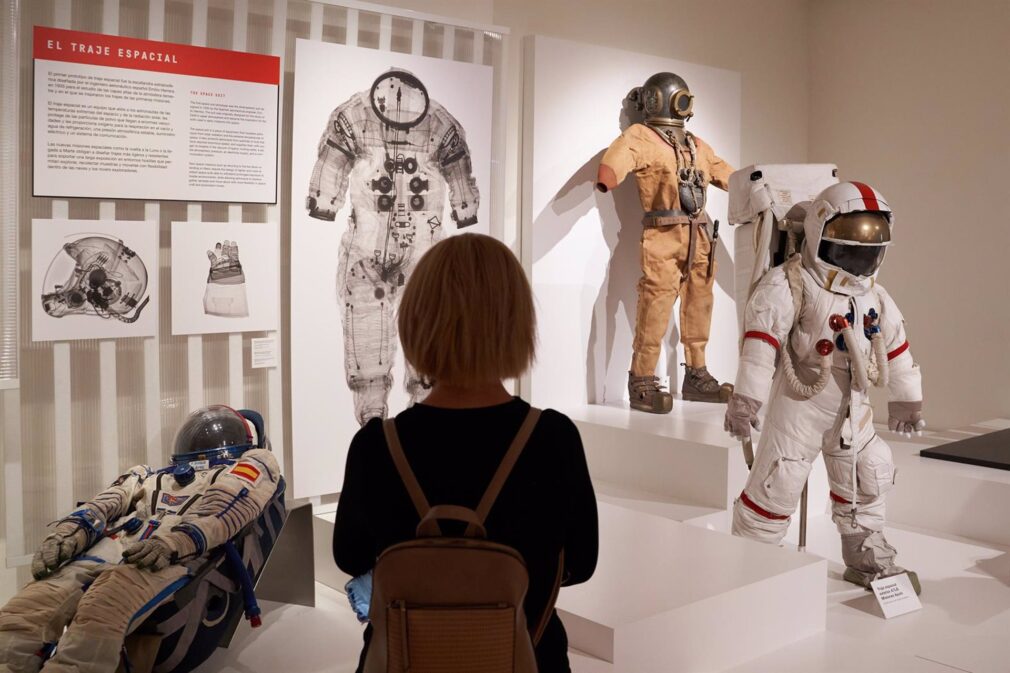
column 792, row 268
column 793, row 273
column 664, row 218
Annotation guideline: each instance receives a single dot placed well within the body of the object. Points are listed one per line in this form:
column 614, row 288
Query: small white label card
column 264, row 352
column 896, row 595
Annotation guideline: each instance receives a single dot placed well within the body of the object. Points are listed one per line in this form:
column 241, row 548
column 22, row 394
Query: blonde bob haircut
column 467, row 316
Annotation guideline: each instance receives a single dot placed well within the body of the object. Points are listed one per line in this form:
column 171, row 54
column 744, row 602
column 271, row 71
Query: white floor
column 296, row 639
column 964, row 624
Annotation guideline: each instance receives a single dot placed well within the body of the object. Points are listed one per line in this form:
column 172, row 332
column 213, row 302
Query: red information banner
column 72, row 46
column 122, row 118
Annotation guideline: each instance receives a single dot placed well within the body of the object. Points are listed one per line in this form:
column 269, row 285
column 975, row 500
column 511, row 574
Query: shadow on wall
column 608, row 352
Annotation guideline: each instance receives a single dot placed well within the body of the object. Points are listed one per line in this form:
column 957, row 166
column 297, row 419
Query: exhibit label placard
column 896, row 595
column 123, row 118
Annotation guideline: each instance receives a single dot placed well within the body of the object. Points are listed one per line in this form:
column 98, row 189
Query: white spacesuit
column 398, row 152
column 120, row 555
column 819, row 331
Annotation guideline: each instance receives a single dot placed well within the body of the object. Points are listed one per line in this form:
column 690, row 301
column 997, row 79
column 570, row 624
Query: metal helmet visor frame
column 211, row 455
column 682, row 103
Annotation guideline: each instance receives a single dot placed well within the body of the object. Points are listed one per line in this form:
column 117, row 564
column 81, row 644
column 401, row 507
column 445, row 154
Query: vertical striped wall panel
column 86, row 410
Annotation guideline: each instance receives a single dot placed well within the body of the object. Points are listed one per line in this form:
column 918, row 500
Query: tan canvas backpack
column 451, row 604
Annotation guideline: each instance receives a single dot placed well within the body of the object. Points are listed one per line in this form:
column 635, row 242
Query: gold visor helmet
column 856, row 241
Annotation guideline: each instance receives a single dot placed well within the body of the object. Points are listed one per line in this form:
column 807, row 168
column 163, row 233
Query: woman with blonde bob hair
column 467, row 324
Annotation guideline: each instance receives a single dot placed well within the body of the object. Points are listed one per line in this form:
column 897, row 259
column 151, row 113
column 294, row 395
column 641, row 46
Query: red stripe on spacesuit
column 897, row 351
column 869, row 198
column 759, row 509
column 763, row 336
column 839, row 499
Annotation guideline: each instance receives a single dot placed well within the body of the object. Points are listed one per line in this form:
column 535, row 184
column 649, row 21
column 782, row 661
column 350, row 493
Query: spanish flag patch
column 246, row 471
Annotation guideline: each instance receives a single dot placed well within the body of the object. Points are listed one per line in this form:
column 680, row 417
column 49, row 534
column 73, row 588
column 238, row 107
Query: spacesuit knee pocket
column 875, row 469
column 783, row 485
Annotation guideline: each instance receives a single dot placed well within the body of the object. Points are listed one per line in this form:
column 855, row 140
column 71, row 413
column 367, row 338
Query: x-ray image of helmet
column 399, row 99
column 96, row 275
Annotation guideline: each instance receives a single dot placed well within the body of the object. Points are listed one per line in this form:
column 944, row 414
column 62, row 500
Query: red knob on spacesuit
column 824, row 346
column 837, row 323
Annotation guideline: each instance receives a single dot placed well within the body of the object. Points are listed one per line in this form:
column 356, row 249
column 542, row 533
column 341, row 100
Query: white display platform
column 671, row 464
column 327, row 571
column 963, row 625
column 951, row 498
column 672, row 597
column 674, row 591
column 664, row 594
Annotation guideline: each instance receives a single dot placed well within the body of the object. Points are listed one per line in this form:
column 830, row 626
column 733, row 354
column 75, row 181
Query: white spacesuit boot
column 398, row 153
column 865, row 551
column 110, row 563
column 819, row 331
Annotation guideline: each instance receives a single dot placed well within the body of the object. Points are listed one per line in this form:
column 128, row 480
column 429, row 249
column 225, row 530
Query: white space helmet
column 847, row 231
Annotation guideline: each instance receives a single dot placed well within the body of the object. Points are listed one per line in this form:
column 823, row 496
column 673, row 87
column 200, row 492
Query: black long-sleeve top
column 546, row 505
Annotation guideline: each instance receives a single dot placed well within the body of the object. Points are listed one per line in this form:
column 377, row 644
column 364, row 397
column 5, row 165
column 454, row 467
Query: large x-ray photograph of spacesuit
column 391, row 154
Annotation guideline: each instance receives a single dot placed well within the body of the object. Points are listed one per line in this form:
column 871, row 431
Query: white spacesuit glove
column 905, row 418
column 65, row 542
column 157, row 553
column 225, row 295
column 741, row 416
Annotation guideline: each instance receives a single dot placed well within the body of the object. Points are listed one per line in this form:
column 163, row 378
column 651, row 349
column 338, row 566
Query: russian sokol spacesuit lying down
column 819, row 331
column 119, row 556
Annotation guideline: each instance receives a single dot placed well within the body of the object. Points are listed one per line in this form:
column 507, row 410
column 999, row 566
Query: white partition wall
column 584, row 245
column 87, row 409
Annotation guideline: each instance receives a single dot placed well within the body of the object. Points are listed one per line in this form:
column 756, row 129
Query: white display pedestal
column 671, row 597
column 682, row 465
column 950, row 498
column 674, row 591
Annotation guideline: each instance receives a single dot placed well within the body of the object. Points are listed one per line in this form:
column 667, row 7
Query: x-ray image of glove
column 225, row 294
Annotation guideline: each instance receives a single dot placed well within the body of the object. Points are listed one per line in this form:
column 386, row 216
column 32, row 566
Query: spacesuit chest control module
column 673, row 168
column 819, row 333
column 108, row 565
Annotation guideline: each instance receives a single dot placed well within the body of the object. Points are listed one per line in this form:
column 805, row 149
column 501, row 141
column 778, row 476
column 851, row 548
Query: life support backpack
column 452, row 604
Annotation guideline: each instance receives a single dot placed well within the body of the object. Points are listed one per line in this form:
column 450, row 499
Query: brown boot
column 700, row 386
column 647, row 395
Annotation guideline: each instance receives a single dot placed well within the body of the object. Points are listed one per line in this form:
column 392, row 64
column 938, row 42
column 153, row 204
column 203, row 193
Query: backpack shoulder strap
column 403, row 467
column 505, row 468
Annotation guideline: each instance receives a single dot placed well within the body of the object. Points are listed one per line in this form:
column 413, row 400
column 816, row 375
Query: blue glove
column 359, row 594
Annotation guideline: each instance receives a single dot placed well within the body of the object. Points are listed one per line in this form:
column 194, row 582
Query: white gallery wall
column 914, row 98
